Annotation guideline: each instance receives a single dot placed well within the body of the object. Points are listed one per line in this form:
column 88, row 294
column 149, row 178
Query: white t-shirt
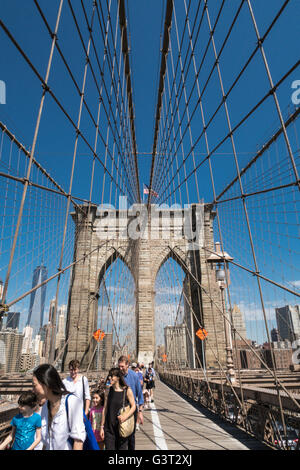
column 77, row 387
column 56, row 438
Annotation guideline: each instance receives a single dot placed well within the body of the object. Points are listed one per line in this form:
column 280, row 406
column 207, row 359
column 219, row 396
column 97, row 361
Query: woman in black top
column 110, row 415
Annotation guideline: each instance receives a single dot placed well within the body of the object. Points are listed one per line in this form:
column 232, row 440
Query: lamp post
column 220, row 258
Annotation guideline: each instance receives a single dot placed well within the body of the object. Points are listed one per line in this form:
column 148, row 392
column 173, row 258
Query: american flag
column 146, row 191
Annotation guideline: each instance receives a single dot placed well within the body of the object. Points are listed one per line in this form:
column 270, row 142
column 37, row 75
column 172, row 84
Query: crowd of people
column 54, row 415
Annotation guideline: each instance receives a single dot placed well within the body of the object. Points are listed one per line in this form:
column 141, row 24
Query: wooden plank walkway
column 172, row 423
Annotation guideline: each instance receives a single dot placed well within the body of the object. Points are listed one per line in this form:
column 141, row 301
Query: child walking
column 26, row 426
column 96, row 415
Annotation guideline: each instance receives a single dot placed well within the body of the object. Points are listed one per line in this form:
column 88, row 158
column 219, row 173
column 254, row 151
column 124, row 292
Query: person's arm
column 91, row 417
column 139, row 395
column 103, row 416
column 87, row 406
column 38, row 437
column 87, row 396
column 8, row 439
column 132, row 404
column 140, row 400
column 76, row 423
column 77, row 445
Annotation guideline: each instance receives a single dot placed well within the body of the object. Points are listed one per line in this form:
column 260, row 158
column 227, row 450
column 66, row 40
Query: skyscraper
column 60, row 335
column 13, row 320
column 27, row 340
column 176, row 344
column 239, row 323
column 10, row 351
column 288, row 322
column 37, row 300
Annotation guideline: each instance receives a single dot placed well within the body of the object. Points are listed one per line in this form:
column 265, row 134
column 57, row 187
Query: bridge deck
column 172, row 423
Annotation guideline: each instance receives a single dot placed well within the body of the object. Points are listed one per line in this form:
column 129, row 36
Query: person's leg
column 131, row 438
column 151, row 392
column 101, row 445
column 138, row 421
column 109, row 441
column 122, row 443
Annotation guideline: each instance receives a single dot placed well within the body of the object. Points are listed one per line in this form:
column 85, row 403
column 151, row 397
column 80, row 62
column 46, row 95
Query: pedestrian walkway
column 172, row 423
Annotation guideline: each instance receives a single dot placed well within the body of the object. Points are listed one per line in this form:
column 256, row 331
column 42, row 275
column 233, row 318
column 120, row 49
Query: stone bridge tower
column 144, row 240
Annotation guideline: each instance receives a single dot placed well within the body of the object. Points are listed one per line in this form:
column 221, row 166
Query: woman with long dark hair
column 62, row 428
column 119, row 394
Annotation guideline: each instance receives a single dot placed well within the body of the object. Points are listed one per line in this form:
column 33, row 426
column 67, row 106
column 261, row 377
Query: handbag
column 90, row 442
column 127, row 427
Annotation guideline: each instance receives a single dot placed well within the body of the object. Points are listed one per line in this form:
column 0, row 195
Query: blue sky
column 55, row 146
column 145, row 22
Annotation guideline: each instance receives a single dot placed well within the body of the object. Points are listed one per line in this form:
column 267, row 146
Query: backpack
column 90, row 442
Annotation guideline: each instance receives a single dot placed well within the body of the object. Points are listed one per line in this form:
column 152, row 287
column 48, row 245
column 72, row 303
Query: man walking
column 132, row 380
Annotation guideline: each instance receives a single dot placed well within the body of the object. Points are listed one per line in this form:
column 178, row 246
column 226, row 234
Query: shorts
column 150, row 385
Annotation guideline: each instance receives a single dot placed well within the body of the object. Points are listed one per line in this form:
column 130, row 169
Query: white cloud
column 295, row 284
column 253, row 311
column 169, row 290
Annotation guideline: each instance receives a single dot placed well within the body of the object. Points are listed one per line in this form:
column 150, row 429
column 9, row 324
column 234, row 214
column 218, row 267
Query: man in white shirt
column 78, row 384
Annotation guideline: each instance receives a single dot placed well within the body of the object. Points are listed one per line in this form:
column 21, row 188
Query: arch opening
column 116, row 313
column 174, row 322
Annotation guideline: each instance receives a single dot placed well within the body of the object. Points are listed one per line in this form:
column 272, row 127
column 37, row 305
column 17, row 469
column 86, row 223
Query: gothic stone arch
column 103, row 235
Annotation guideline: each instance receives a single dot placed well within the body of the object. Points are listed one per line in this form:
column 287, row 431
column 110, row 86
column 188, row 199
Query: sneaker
column 137, row 427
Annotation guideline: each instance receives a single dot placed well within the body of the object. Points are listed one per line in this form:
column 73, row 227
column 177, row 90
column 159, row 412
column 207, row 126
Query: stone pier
column 144, row 241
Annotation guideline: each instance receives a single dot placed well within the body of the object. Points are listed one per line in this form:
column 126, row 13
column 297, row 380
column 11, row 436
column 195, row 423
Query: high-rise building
column 274, row 335
column 288, row 322
column 239, row 323
column 13, row 320
column 11, row 346
column 160, row 351
column 176, row 345
column 189, row 322
column 37, row 300
column 28, row 361
column 36, row 345
column 27, row 340
column 60, row 335
column 45, row 340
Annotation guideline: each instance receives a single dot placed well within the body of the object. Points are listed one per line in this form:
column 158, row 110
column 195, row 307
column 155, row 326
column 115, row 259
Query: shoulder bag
column 127, row 427
column 90, row 442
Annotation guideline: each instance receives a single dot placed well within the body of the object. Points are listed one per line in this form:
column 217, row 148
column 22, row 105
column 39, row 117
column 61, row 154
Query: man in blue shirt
column 132, row 380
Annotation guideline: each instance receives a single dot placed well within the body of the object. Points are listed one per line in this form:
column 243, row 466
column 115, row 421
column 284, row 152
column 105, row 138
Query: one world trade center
column 37, row 300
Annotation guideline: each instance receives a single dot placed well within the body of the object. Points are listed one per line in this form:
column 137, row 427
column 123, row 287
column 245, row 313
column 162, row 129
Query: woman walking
column 149, row 380
column 78, row 384
column 62, row 428
column 119, row 394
